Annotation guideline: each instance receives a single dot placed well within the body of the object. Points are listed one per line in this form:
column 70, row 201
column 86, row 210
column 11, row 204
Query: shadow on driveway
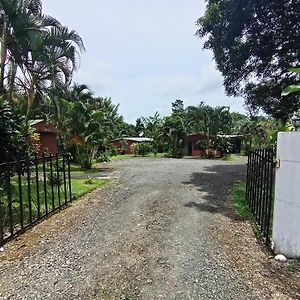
column 214, row 184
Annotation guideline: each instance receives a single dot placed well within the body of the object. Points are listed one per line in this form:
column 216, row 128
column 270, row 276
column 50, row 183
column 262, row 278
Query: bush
column 112, row 150
column 84, row 157
column 102, row 157
column 141, row 149
column 222, row 144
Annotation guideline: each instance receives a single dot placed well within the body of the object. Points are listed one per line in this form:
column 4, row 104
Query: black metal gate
column 30, row 190
column 260, row 188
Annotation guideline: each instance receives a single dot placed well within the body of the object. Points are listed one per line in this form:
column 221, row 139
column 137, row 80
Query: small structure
column 47, row 136
column 124, row 144
column 195, row 145
column 235, row 140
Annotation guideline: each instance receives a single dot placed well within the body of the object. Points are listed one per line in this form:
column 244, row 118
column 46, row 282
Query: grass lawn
column 238, row 201
column 120, row 156
column 81, row 187
column 42, row 198
column 127, row 156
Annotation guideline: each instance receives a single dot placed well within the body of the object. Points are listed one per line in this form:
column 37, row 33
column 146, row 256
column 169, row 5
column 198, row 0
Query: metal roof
column 135, row 139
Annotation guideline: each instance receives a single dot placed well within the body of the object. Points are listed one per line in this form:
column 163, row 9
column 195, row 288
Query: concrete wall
column 286, row 220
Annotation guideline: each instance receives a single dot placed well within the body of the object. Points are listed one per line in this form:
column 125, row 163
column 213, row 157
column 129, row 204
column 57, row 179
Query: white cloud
column 97, row 74
column 204, row 82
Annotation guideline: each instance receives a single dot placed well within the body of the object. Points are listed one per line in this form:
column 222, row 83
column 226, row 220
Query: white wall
column 286, row 220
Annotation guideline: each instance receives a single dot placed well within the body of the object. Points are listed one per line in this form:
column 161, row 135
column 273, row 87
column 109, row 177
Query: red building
column 48, row 136
column 124, row 145
column 195, row 145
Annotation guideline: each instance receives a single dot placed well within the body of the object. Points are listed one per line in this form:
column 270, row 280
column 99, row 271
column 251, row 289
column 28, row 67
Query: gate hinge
column 278, row 163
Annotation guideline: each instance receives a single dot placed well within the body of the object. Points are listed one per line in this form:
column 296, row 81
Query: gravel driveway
column 153, row 234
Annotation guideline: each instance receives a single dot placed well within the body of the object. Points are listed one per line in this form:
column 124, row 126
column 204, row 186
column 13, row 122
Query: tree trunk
column 12, row 78
column 30, row 98
column 3, row 56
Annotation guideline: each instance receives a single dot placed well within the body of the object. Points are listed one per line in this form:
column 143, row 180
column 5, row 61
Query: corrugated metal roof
column 134, row 139
column 34, row 122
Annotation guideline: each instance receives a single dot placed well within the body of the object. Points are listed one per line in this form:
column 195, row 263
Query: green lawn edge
column 81, row 187
column 238, row 201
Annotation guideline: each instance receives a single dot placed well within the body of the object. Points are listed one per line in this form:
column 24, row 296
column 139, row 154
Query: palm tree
column 19, row 31
column 211, row 120
column 52, row 65
column 78, row 92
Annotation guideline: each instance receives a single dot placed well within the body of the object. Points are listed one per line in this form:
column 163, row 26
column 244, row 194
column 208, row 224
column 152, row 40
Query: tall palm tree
column 78, row 92
column 53, row 64
column 211, row 120
column 19, row 31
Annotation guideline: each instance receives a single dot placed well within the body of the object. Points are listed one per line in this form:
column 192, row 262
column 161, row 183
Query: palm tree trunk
column 12, row 78
column 3, row 56
column 30, row 98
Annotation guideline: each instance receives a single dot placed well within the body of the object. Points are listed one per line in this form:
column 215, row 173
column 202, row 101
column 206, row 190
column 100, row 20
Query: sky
column 143, row 53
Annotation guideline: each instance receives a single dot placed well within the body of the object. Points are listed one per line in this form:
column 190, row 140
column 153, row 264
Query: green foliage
column 254, row 133
column 84, row 156
column 153, row 126
column 222, row 144
column 253, row 56
column 142, row 149
column 12, row 142
column 139, row 127
column 292, row 88
column 103, row 157
column 211, row 120
column 174, row 130
column 238, row 201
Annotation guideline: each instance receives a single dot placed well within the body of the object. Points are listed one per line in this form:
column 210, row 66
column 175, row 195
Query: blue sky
column 143, row 53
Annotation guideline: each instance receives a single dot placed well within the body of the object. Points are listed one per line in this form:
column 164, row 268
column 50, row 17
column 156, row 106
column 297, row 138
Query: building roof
column 230, row 135
column 41, row 126
column 34, row 122
column 134, row 139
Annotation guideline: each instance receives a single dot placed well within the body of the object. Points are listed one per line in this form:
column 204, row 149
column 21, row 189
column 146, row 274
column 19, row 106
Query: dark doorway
column 190, row 149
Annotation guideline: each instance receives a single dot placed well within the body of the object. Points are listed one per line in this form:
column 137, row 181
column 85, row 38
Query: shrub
column 103, row 157
column 223, row 145
column 141, row 149
column 84, row 158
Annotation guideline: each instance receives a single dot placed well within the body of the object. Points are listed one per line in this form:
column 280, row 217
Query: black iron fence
column 260, row 188
column 30, row 190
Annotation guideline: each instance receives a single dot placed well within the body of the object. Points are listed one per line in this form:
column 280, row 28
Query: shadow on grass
column 214, row 184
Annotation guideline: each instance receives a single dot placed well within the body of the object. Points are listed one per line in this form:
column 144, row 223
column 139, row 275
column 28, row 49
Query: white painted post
column 286, row 218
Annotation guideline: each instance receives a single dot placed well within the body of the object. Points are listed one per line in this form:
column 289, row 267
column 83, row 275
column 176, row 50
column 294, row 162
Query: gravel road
column 153, row 234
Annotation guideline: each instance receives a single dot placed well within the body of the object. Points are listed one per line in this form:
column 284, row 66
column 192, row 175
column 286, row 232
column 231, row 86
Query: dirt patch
column 250, row 256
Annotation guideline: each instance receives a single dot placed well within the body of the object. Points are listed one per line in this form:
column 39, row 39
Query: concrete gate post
column 286, row 218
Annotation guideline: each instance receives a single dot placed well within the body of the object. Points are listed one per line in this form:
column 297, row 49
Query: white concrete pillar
column 286, row 219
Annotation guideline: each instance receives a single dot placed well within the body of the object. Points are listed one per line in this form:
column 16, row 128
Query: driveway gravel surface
column 162, row 230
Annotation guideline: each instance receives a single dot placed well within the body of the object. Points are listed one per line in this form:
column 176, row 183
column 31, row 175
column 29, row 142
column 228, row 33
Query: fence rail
column 260, row 188
column 30, row 190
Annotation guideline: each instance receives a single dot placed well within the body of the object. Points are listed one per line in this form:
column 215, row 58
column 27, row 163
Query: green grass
column 228, row 157
column 120, row 157
column 38, row 207
column 128, row 156
column 238, row 201
column 76, row 169
column 81, row 187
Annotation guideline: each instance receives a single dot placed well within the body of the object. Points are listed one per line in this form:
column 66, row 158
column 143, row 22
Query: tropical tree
column 174, row 130
column 154, row 129
column 212, row 121
column 52, row 65
column 292, row 88
column 252, row 55
column 77, row 92
column 254, row 134
column 19, row 31
column 139, row 127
